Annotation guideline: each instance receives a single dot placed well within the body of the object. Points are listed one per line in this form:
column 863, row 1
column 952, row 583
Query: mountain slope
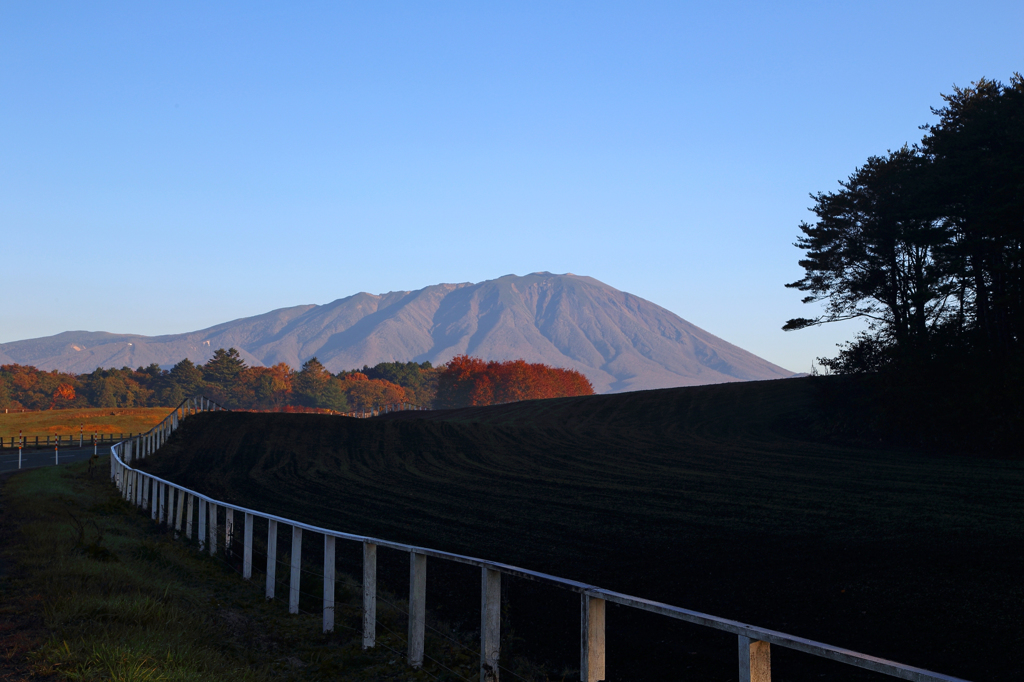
column 620, row 341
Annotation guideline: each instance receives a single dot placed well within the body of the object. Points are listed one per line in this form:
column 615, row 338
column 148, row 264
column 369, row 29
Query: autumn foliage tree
column 468, row 381
column 24, row 386
column 225, row 379
column 365, row 393
column 64, row 395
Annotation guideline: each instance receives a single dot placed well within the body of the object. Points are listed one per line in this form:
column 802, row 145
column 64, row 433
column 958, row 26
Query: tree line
column 925, row 242
column 227, row 380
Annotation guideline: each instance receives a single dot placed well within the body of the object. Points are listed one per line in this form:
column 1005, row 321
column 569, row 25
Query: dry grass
column 90, row 420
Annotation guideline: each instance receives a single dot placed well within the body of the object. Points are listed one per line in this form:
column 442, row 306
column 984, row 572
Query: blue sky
column 166, row 167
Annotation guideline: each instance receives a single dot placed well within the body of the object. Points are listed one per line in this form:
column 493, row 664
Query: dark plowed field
column 727, row 499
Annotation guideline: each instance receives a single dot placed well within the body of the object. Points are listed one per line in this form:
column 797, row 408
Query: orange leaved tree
column 467, row 381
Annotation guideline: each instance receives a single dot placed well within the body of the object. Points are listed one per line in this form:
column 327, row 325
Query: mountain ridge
column 620, row 341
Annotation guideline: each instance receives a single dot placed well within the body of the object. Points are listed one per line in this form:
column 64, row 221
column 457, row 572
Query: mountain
column 620, row 341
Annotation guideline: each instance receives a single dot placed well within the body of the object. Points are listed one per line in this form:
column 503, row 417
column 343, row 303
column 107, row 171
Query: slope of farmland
column 726, row 499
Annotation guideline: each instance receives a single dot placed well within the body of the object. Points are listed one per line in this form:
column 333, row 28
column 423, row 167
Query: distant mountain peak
column 620, row 341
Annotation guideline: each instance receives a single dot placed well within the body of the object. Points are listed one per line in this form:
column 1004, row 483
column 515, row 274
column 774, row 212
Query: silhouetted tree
column 872, row 254
column 977, row 156
column 926, row 243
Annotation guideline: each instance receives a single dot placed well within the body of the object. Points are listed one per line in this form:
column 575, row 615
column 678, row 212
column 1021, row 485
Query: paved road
column 39, row 458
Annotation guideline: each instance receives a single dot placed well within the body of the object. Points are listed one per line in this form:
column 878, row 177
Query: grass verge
column 92, row 589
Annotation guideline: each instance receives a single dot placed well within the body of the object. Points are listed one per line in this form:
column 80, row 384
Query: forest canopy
column 227, row 380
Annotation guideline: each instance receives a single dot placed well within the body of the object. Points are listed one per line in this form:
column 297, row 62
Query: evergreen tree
column 186, row 378
column 224, row 367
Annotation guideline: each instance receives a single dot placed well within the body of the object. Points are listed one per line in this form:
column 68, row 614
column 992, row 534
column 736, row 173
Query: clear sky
column 168, row 166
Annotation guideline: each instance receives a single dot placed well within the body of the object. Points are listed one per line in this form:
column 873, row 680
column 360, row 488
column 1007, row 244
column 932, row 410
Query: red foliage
column 65, row 393
column 471, row 381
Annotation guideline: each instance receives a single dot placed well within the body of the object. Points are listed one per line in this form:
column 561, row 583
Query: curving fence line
column 178, row 507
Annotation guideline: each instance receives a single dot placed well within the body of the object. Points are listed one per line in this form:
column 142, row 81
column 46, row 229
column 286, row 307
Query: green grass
column 90, row 420
column 91, row 589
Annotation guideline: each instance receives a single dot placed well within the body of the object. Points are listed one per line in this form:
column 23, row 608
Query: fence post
column 369, row 594
column 490, row 624
column 178, row 510
column 592, row 639
column 417, row 606
column 328, row 583
column 146, row 494
column 202, row 525
column 293, row 585
column 247, row 548
column 190, row 516
column 213, row 529
column 229, row 528
column 755, row 660
column 271, row 557
column 160, row 508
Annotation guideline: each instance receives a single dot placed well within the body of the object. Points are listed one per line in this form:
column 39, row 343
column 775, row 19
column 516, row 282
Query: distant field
column 99, row 420
column 727, row 499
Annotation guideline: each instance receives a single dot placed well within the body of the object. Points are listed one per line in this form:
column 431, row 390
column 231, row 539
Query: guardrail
column 178, row 507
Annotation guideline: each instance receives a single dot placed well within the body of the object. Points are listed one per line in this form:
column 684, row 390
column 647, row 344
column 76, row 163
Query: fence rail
column 385, row 409
column 167, row 501
column 80, row 440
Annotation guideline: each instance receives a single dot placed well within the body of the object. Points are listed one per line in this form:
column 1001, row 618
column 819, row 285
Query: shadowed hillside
column 727, row 499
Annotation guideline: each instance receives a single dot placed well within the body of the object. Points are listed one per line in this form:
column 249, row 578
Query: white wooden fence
column 386, row 409
column 175, row 505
